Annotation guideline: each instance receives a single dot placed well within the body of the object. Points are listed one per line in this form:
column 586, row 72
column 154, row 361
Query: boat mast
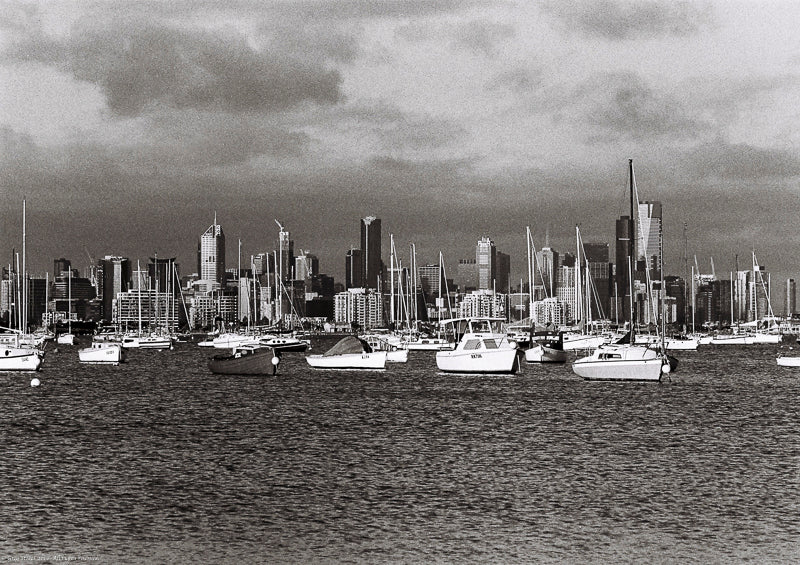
column 631, row 251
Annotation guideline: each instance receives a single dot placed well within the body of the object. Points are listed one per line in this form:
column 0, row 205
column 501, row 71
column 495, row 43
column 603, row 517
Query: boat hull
column 624, row 370
column 259, row 362
column 20, row 359
column 542, row 354
column 733, row 340
column 573, row 342
column 483, row 361
column 105, row 354
column 373, row 360
column 146, row 343
column 433, row 344
column 789, row 361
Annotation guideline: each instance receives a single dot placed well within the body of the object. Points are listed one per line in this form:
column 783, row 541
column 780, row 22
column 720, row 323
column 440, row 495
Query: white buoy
column 276, row 360
column 35, row 382
column 665, row 368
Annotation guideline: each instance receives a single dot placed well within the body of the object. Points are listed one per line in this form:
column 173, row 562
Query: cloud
column 145, row 65
column 623, row 106
column 742, row 164
column 619, row 20
column 483, row 37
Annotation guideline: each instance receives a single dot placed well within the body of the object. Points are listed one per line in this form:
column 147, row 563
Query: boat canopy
column 349, row 344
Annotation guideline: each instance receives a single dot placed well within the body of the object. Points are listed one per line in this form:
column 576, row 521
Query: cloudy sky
column 126, row 125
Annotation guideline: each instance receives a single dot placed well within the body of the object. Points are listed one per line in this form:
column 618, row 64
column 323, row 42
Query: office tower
column 285, row 255
column 502, row 272
column 354, row 269
column 467, row 275
column 114, row 277
column 360, row 306
column 759, row 294
column 211, row 254
column 544, row 273
column 486, row 259
column 429, row 278
column 790, row 302
column 371, row 250
column 623, row 269
column 306, row 265
column 61, row 266
column 162, row 275
column 649, row 240
column 597, row 259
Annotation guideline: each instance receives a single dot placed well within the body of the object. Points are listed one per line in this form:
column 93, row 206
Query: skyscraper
column 354, row 269
column 115, row 278
column 648, row 246
column 597, row 258
column 544, row 273
column 371, row 250
column 211, row 254
column 790, row 303
column 486, row 259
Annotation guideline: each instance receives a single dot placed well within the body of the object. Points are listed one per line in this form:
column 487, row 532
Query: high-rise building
column 502, row 272
column 114, row 276
column 544, row 273
column 306, row 265
column 759, row 294
column 211, row 254
column 597, row 259
column 486, row 259
column 371, row 250
column 61, row 266
column 648, row 246
column 430, row 281
column 163, row 275
column 360, row 306
column 285, row 255
column 790, row 302
column 467, row 275
column 354, row 269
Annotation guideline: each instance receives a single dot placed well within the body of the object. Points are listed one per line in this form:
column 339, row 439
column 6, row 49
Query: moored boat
column 153, row 341
column 482, row 348
column 788, row 361
column 546, row 347
column 245, row 360
column 102, row 353
column 349, row 353
column 379, row 342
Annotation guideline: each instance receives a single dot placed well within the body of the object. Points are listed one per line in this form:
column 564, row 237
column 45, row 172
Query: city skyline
column 127, row 126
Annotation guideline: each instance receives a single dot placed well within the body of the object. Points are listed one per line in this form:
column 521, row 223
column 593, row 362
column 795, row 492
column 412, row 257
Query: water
column 160, row 461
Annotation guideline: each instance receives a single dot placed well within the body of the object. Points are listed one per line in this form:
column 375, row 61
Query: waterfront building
column 158, row 310
column 713, row 302
column 482, row 303
column 549, row 312
column 790, row 300
column 371, row 251
column 211, row 254
column 361, row 306
column 61, row 266
column 429, row 279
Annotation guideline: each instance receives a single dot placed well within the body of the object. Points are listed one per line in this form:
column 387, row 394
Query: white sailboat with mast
column 625, row 361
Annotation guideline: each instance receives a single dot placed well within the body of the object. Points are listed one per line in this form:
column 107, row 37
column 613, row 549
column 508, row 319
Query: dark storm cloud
column 623, row 106
column 751, row 166
column 521, row 81
column 140, row 65
column 628, row 19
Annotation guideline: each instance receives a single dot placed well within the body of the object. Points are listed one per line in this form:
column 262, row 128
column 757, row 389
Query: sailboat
column 141, row 340
column 625, row 361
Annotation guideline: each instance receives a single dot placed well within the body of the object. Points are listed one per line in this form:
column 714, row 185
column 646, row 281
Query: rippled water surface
column 158, row 460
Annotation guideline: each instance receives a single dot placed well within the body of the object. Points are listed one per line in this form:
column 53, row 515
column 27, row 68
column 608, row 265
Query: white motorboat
column 20, row 358
column 733, row 339
column 546, row 348
column 379, row 342
column 102, row 353
column 670, row 343
column 66, row 339
column 153, row 341
column 622, row 362
column 421, row 343
column 286, row 343
column 763, row 337
column 230, row 340
column 349, row 353
column 788, row 361
column 482, row 348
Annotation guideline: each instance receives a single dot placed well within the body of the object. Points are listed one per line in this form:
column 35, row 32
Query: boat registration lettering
column 476, row 356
